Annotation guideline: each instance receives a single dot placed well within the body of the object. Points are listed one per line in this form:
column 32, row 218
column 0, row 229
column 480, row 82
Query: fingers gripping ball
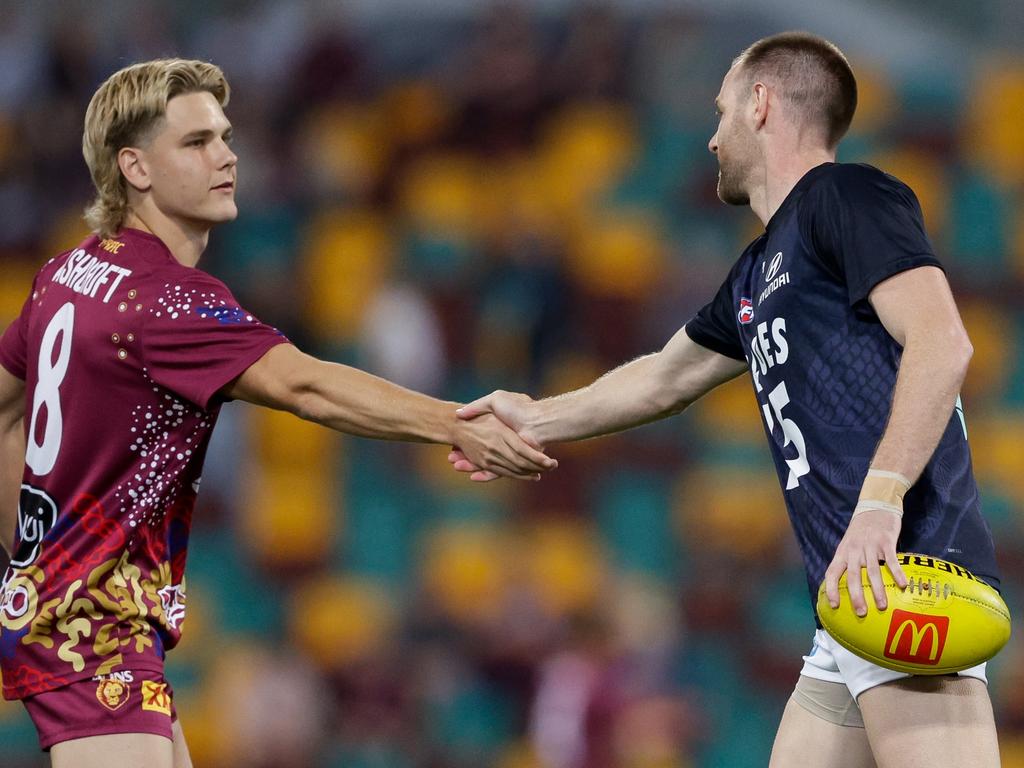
column 946, row 620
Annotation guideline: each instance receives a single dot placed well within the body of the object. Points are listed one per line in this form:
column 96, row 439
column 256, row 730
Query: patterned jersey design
column 123, row 351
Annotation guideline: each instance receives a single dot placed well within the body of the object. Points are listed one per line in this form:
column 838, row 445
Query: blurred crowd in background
column 506, row 197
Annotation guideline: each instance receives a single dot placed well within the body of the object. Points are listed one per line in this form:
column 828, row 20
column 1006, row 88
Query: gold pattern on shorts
column 113, row 694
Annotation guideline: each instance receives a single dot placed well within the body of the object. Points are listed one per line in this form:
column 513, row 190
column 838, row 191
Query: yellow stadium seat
column 992, row 137
column 516, row 196
column 200, row 718
column 465, row 570
column 286, row 441
column 618, row 254
column 731, row 511
column 565, row 565
column 338, row 621
column 215, row 738
column 730, row 412
column 875, row 98
column 417, row 112
column 347, row 255
column 986, row 326
column 440, row 194
column 586, row 149
column 995, row 447
column 291, row 516
column 346, row 147
column 14, row 288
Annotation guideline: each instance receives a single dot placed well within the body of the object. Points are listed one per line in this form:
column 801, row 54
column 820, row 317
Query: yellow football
column 947, row 619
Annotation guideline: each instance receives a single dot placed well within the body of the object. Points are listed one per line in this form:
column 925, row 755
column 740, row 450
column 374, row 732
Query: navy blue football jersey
column 824, row 368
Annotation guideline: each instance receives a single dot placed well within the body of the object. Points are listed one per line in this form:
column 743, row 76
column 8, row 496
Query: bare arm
column 12, row 454
column 644, row 390
column 917, row 309
column 353, row 401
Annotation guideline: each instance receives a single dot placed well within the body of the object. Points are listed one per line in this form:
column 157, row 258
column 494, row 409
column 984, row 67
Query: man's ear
column 760, row 94
column 133, row 167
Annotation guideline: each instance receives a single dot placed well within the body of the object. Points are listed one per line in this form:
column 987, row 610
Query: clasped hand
column 510, row 410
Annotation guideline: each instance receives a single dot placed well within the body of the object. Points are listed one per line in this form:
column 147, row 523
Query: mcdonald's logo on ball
column 916, row 637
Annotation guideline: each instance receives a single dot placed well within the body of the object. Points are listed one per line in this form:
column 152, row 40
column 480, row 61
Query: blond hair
column 121, row 114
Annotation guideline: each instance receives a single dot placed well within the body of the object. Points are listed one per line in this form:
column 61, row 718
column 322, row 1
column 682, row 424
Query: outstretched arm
column 646, row 389
column 917, row 309
column 12, row 454
column 353, row 401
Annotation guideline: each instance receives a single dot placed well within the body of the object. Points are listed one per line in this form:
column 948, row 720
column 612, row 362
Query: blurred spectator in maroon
column 498, row 82
column 329, row 68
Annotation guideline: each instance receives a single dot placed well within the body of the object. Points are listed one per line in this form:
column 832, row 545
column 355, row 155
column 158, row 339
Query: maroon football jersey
column 123, row 352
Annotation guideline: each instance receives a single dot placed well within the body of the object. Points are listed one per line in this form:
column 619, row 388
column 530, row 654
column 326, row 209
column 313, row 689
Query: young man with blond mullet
column 111, row 380
column 844, row 318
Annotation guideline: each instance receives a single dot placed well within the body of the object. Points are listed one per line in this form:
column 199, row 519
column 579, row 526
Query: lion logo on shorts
column 113, row 694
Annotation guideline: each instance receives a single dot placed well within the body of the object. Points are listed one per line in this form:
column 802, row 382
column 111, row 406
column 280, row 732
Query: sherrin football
column 947, row 619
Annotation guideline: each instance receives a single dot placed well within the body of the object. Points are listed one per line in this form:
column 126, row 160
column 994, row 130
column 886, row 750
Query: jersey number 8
column 42, row 456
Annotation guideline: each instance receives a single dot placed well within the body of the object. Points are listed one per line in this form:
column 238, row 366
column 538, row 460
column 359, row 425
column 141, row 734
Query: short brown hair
column 811, row 73
column 121, row 114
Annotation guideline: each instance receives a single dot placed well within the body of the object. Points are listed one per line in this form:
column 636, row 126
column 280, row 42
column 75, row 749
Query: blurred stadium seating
column 494, row 196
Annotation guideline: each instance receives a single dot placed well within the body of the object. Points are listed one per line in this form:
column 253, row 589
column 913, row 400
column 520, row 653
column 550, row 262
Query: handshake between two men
column 514, row 411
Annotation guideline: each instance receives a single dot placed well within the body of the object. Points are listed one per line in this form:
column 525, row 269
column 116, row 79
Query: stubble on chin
column 730, row 190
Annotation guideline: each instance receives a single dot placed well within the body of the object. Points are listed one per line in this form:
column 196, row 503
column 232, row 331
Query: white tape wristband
column 866, row 504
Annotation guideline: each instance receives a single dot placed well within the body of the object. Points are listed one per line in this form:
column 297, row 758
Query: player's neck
column 185, row 242
column 782, row 172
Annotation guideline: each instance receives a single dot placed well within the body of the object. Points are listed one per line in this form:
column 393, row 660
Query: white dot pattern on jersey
column 156, row 483
column 178, row 302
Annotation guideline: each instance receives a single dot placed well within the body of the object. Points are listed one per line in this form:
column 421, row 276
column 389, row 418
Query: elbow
column 947, row 350
column 961, row 353
column 955, row 356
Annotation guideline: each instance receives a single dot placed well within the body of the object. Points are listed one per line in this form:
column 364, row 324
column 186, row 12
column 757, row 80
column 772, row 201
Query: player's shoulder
column 854, row 179
column 178, row 277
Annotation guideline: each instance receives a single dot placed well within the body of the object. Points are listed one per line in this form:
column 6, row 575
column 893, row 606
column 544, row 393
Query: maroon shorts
column 122, row 702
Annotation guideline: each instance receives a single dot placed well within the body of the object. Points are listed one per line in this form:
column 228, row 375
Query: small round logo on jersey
column 112, row 694
column 773, row 268
column 746, row 313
